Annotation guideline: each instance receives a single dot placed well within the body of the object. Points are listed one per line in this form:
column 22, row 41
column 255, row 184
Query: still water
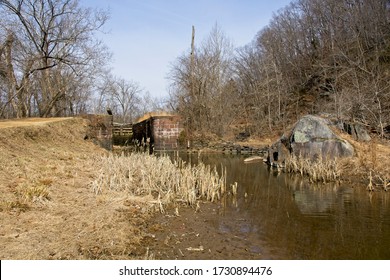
column 300, row 219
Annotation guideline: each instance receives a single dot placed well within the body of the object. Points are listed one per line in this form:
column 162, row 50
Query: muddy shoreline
column 200, row 235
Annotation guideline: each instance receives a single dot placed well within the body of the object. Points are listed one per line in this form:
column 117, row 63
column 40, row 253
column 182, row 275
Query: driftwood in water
column 253, row 159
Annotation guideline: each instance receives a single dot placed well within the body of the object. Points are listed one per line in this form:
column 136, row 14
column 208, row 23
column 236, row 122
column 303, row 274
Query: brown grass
column 370, row 166
column 318, row 170
column 154, row 114
column 140, row 174
column 66, row 198
column 47, row 207
column 371, row 163
column 28, row 122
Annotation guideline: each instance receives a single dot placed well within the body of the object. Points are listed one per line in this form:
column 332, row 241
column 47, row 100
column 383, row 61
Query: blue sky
column 146, row 36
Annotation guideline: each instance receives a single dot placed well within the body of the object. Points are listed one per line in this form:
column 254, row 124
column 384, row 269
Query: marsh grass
column 378, row 180
column 165, row 180
column 317, row 170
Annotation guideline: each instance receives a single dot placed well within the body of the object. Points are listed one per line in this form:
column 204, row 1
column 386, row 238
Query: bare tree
column 124, row 98
column 56, row 48
column 202, row 84
column 320, row 56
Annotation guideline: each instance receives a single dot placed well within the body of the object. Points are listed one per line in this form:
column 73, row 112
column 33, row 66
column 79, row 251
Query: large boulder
column 311, row 137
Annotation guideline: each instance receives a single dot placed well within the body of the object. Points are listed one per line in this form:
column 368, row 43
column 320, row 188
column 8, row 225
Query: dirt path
column 29, row 122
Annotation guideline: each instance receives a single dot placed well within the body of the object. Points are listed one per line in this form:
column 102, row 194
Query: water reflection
column 298, row 219
column 319, row 200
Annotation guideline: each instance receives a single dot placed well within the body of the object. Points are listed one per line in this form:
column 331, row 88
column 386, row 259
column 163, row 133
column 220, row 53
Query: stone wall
column 100, row 130
column 226, row 147
column 166, row 132
column 162, row 132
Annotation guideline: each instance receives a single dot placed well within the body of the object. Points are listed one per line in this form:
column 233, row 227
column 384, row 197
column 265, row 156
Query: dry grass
column 373, row 165
column 318, row 170
column 370, row 165
column 28, row 122
column 47, row 208
column 154, row 114
column 140, row 174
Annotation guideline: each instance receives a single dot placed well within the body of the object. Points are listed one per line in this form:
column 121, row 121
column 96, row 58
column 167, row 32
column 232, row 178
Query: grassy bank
column 66, row 198
column 369, row 166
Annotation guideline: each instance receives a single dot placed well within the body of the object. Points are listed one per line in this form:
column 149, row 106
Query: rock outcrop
column 311, row 137
column 356, row 130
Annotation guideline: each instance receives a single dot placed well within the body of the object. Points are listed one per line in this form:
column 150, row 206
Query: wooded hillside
column 315, row 56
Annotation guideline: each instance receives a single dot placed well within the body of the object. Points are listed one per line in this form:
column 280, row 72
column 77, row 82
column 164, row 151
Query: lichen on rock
column 311, row 137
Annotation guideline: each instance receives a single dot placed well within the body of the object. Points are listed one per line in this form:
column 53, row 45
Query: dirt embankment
column 47, row 208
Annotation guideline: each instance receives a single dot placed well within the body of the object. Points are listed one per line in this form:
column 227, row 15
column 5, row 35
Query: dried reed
column 147, row 175
column 318, row 170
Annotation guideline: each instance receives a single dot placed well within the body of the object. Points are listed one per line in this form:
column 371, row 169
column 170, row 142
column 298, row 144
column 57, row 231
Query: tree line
column 315, row 56
column 52, row 63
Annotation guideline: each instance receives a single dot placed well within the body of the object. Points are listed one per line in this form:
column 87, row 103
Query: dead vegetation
column 319, row 170
column 369, row 166
column 372, row 164
column 66, row 198
column 160, row 178
column 47, row 207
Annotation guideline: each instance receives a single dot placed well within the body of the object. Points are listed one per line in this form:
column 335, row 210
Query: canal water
column 303, row 220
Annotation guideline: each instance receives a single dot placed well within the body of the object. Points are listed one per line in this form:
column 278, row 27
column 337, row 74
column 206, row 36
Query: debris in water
column 195, row 249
